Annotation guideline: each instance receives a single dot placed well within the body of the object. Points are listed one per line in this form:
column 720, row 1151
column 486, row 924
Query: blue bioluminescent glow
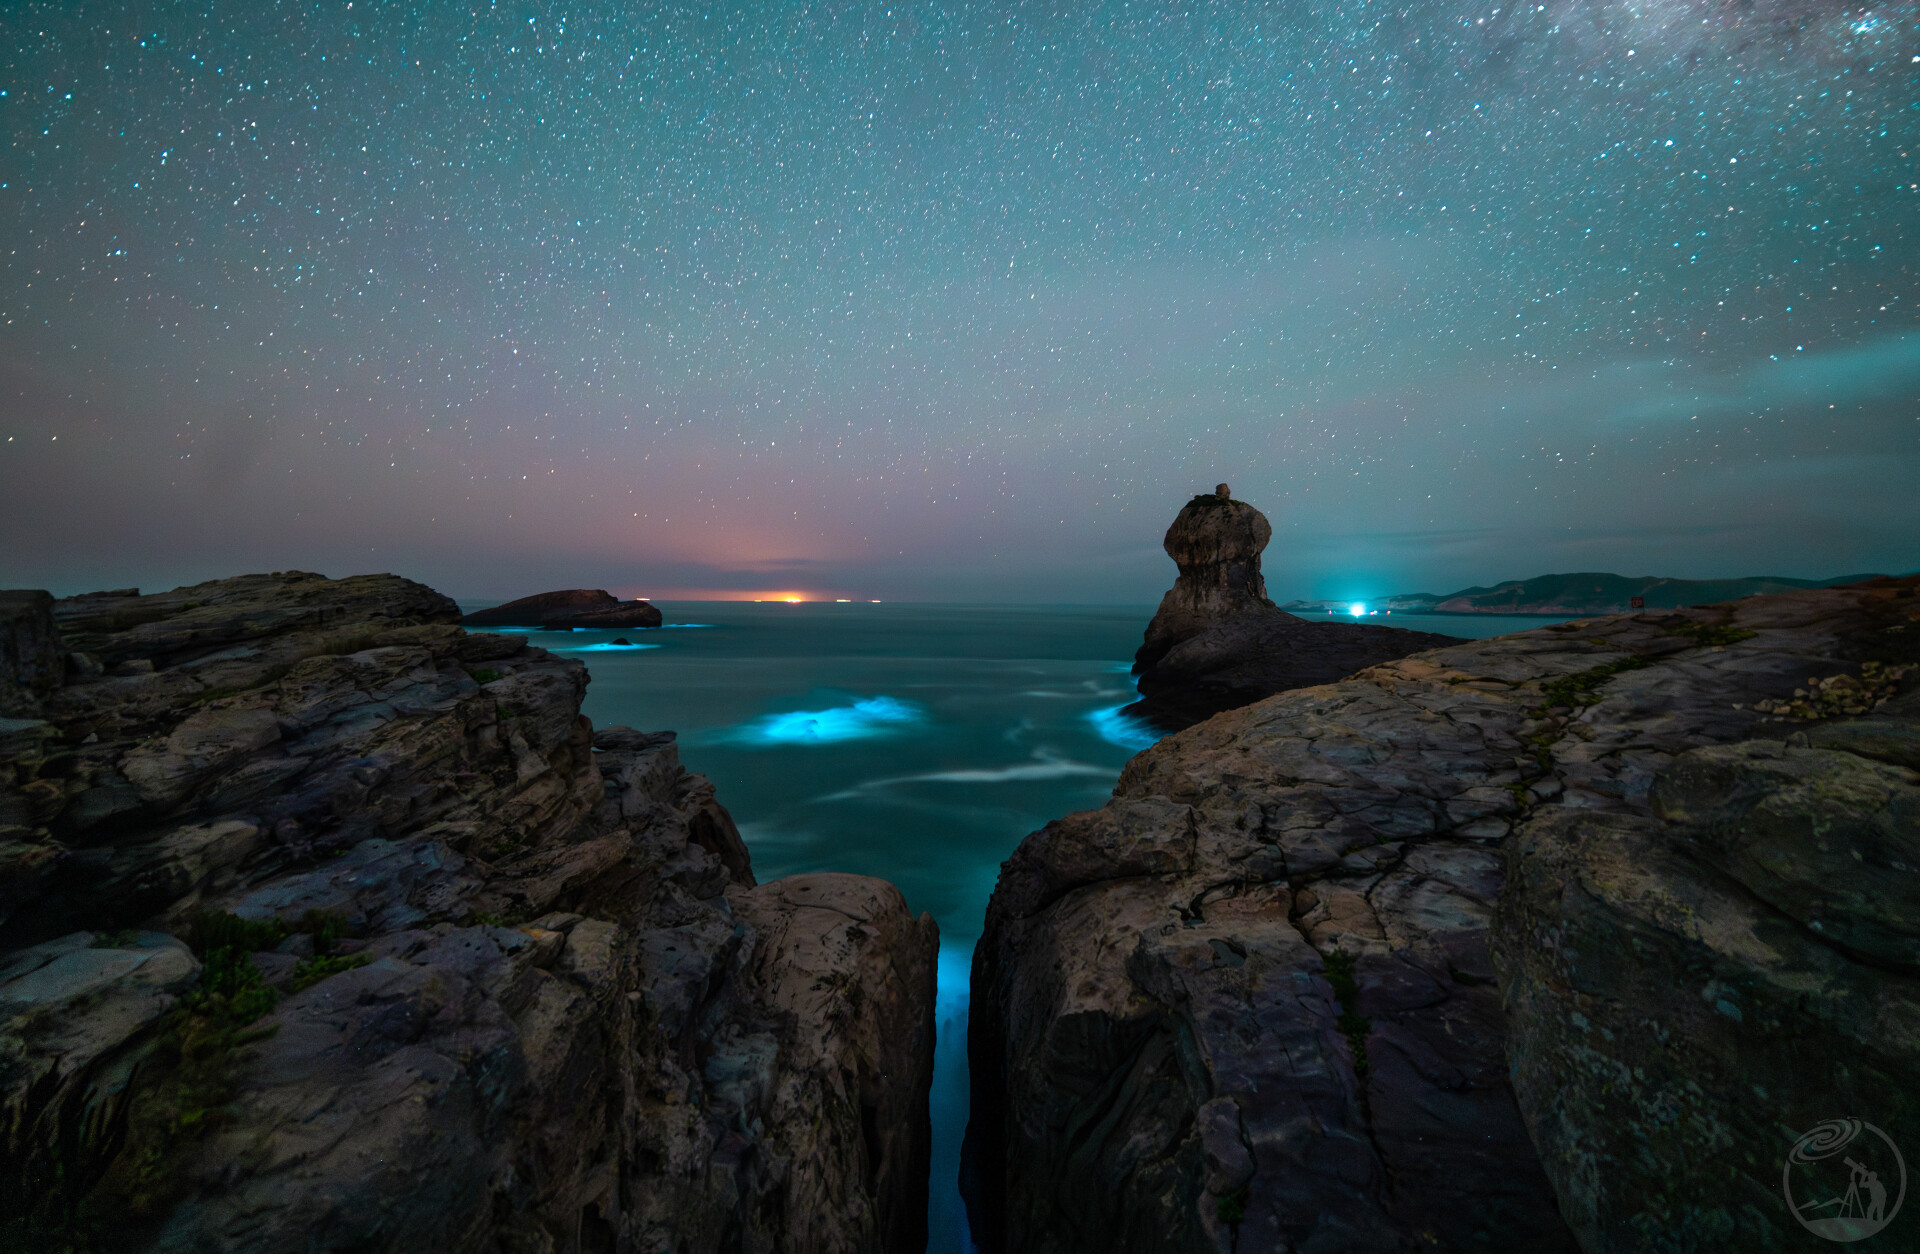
column 1120, row 729
column 1356, row 609
column 606, row 647
column 876, row 716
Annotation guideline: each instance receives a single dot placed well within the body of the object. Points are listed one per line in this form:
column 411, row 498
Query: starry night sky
column 956, row 301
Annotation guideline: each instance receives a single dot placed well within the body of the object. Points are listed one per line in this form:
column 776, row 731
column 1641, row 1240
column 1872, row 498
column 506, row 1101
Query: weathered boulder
column 459, row 973
column 1251, row 1002
column 562, row 611
column 1217, row 643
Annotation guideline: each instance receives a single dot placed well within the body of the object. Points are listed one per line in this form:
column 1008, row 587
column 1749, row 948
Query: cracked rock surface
column 327, row 925
column 1258, row 1001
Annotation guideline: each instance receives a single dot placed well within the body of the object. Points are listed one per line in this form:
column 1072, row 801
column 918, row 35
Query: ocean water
column 1470, row 626
column 918, row 743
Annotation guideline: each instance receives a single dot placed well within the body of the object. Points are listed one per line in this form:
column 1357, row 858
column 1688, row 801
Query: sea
column 911, row 741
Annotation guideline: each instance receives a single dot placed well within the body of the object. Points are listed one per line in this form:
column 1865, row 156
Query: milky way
column 957, row 301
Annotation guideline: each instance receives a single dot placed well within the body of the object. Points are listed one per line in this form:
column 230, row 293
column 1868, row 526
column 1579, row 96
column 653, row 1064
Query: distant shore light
column 1356, row 609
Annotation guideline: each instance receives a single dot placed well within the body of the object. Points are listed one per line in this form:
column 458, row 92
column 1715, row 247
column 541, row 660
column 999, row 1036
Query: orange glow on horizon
column 790, row 596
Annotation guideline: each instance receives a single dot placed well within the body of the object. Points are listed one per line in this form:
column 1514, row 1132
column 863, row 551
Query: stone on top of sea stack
column 572, row 607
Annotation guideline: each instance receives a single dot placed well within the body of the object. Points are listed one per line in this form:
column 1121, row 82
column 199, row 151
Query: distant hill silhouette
column 1589, row 592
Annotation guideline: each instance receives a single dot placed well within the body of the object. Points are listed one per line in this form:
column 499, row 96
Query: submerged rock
column 338, row 927
column 1252, row 1002
column 562, row 611
column 1217, row 642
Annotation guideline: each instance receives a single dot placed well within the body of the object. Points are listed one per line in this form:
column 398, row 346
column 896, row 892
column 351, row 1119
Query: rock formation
column 562, row 611
column 326, row 925
column 1217, row 642
column 1254, row 1002
column 1728, row 954
column 1216, row 542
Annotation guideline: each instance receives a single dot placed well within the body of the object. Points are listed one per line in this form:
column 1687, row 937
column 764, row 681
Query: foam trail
column 1077, row 694
column 1044, row 766
column 1121, row 729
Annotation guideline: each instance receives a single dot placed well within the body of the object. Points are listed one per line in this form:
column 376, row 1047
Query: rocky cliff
column 327, row 925
column 1259, row 1000
column 1217, row 642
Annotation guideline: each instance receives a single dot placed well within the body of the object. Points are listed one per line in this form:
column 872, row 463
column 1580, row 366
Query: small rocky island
column 1217, row 642
column 566, row 610
column 326, row 925
column 1549, row 942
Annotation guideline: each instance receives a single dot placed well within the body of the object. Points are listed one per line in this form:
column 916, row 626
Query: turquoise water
column 919, row 743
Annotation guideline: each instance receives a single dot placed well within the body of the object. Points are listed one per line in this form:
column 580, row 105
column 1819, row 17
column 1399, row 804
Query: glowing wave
column 1122, row 729
column 863, row 720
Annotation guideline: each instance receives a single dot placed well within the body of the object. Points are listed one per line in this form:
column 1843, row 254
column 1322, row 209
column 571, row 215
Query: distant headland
column 1588, row 592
